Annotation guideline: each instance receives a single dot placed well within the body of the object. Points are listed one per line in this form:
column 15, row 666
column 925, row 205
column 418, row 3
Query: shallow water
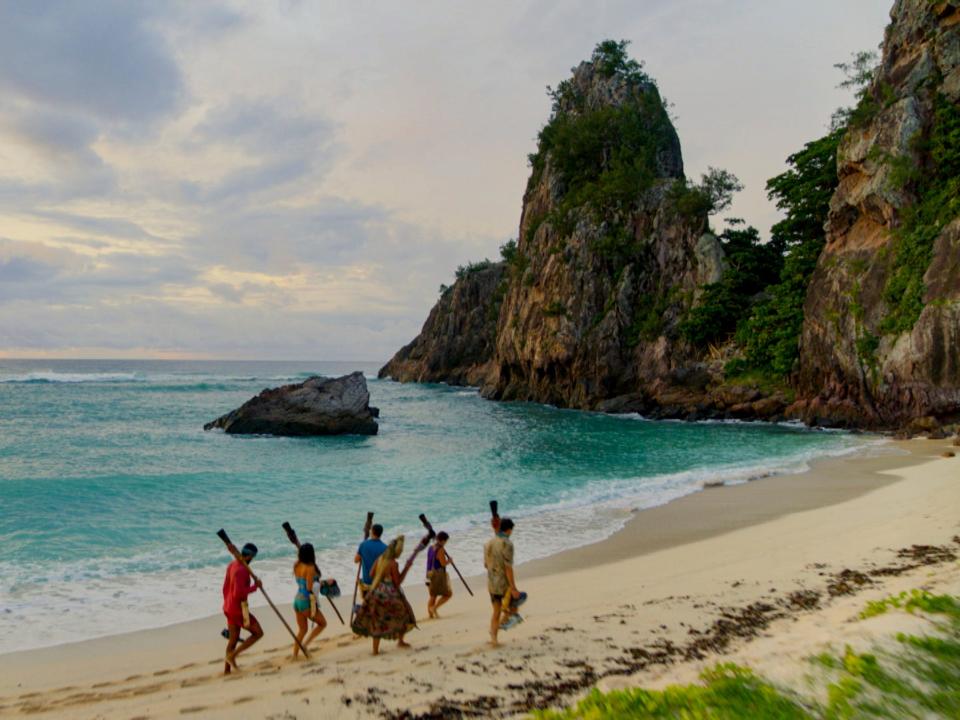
column 111, row 492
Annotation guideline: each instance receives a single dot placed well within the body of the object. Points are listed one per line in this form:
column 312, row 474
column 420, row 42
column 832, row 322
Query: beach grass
column 912, row 676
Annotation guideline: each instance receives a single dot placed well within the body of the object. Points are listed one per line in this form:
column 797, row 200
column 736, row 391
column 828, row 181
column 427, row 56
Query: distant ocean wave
column 49, row 376
column 217, row 381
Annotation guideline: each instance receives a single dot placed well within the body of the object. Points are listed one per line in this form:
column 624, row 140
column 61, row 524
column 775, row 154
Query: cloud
column 102, row 58
column 295, row 179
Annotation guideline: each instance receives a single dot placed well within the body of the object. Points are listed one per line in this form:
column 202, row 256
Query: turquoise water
column 111, row 492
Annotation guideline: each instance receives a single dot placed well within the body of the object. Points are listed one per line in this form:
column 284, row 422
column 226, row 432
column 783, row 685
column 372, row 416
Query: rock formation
column 588, row 313
column 457, row 340
column 881, row 336
column 317, row 406
column 613, row 252
column 585, row 309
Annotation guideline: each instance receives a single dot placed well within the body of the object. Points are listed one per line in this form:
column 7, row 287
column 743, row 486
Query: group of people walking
column 383, row 611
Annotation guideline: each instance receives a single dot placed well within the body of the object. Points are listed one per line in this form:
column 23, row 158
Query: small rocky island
column 317, row 406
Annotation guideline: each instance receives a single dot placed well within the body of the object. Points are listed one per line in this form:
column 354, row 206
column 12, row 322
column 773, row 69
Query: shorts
column 496, row 599
column 235, row 619
column 439, row 583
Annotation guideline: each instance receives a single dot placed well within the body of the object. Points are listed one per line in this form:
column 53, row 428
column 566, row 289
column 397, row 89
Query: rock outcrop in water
column 881, row 335
column 317, row 406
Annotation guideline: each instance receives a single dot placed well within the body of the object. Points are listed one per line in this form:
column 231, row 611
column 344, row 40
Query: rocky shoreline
column 587, row 310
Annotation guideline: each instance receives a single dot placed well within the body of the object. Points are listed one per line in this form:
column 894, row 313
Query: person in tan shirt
column 498, row 560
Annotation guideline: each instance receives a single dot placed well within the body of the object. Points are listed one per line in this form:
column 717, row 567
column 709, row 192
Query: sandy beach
column 782, row 558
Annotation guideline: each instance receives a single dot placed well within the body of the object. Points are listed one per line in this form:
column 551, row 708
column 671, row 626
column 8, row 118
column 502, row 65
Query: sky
column 286, row 179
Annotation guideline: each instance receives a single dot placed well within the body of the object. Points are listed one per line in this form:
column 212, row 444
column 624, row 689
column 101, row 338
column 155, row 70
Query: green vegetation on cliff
column 935, row 181
column 770, row 335
column 605, row 155
column 751, row 267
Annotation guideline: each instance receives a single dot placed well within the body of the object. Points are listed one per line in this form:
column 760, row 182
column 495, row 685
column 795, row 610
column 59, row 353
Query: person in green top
column 501, row 583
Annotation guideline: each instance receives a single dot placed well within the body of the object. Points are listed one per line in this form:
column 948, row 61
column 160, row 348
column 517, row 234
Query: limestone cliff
column 880, row 345
column 457, row 340
column 598, row 285
column 612, row 251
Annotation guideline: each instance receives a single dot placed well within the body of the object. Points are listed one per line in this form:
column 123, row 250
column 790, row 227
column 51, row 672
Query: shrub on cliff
column 936, row 184
column 604, row 157
column 770, row 336
column 752, row 266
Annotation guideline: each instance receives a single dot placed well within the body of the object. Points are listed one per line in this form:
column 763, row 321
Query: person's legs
column 301, row 631
column 496, row 602
column 376, row 646
column 431, row 606
column 256, row 632
column 230, row 658
column 401, row 642
column 440, row 601
column 321, row 623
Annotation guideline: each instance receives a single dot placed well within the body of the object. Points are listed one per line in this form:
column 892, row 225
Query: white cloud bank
column 295, row 179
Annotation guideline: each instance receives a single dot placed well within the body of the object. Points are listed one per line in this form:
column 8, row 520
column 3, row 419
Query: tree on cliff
column 770, row 336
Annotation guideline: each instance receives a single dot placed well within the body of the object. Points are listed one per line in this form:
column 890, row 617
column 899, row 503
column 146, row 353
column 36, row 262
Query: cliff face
column 881, row 338
column 594, row 295
column 612, row 251
column 457, row 340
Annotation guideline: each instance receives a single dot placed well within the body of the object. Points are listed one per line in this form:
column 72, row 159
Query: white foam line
column 50, row 613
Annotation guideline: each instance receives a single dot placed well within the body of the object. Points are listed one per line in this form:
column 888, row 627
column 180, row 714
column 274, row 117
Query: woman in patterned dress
column 385, row 612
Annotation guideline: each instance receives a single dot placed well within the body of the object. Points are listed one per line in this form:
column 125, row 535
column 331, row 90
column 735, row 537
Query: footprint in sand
column 195, row 709
column 147, row 689
column 132, row 677
column 187, row 666
column 244, row 699
column 158, row 673
column 296, row 691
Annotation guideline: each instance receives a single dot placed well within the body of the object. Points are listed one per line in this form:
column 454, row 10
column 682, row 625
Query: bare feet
column 230, row 663
column 403, row 644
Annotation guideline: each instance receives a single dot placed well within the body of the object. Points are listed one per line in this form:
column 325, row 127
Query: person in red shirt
column 237, row 585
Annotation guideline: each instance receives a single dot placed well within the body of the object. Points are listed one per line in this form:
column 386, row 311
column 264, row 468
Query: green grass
column 913, row 601
column 914, row 677
column 729, row 693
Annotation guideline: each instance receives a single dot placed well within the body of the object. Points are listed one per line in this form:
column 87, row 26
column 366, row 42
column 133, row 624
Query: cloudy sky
column 293, row 180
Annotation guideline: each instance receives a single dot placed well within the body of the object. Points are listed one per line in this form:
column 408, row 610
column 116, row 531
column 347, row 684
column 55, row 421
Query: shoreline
column 594, row 516
column 588, row 551
column 647, row 574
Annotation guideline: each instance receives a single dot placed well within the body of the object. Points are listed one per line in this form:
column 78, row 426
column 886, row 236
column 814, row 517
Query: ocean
column 111, row 492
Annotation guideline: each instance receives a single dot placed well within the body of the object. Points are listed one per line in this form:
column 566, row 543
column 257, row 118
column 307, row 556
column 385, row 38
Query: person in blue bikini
column 305, row 604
